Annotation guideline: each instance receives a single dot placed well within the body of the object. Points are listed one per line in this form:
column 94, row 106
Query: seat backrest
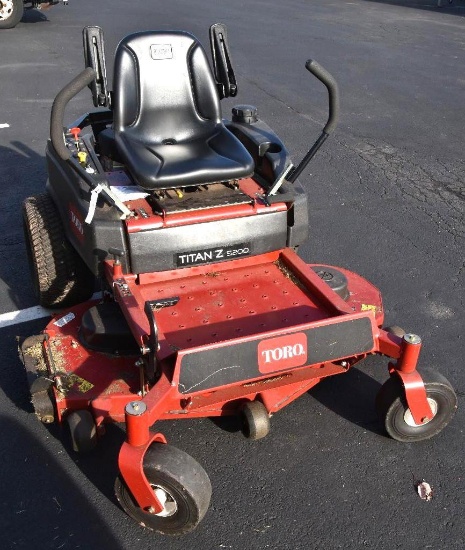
column 164, row 89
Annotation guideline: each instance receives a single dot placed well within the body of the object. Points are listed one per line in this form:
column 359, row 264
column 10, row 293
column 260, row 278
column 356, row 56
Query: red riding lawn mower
column 192, row 223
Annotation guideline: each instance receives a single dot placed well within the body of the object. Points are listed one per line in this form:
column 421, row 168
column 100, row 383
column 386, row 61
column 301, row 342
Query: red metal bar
column 117, row 270
column 410, row 351
column 162, row 397
column 314, row 284
column 405, row 368
column 137, row 426
column 111, row 407
column 276, row 399
column 131, row 466
column 389, row 344
column 415, row 395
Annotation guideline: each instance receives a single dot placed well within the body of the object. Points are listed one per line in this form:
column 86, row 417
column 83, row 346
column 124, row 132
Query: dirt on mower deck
column 235, row 303
column 243, row 301
column 36, row 351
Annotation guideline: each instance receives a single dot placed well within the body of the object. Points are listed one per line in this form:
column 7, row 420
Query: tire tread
column 60, row 276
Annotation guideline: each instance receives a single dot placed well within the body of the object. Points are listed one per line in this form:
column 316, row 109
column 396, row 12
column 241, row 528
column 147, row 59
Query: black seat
column 167, row 115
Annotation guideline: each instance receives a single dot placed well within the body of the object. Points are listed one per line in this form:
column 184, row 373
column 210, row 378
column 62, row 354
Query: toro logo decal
column 282, row 353
column 77, row 224
column 161, row 51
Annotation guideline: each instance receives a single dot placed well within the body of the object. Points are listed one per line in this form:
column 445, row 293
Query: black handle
column 58, row 110
column 333, row 91
column 224, row 72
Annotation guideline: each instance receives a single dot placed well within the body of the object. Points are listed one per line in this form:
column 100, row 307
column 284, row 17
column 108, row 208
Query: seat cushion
column 220, row 157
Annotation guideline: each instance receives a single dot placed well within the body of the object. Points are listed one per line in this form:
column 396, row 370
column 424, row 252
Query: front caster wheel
column 255, row 420
column 397, row 417
column 82, row 429
column 181, row 485
column 394, row 329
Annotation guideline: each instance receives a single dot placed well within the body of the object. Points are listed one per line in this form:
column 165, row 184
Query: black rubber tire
column 394, row 329
column 392, row 407
column 255, row 420
column 82, row 430
column 182, row 478
column 13, row 17
column 59, row 275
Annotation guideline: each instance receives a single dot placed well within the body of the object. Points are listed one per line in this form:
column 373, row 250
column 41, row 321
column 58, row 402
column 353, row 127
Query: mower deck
column 222, row 313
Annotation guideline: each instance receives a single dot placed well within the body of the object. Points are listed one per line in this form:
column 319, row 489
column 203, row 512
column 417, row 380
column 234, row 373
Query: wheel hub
column 6, row 9
column 166, row 500
column 408, row 417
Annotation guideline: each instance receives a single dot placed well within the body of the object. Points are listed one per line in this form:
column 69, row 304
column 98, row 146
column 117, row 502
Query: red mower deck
column 214, row 319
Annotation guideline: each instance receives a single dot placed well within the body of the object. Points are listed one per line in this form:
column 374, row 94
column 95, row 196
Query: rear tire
column 11, row 13
column 59, row 275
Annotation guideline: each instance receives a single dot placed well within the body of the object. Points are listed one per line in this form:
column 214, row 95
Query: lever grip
column 333, row 91
column 71, row 89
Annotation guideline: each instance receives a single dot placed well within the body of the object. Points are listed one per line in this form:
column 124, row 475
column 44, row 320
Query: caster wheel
column 398, row 421
column 82, row 430
column 394, row 329
column 255, row 420
column 180, row 483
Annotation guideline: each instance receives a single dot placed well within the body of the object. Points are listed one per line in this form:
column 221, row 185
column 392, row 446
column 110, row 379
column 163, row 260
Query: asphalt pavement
column 386, row 198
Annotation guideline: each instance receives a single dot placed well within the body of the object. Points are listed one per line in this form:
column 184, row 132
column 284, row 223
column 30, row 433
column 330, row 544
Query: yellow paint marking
column 369, row 307
column 83, row 385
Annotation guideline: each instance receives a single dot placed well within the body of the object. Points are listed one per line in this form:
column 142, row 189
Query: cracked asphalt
column 386, row 197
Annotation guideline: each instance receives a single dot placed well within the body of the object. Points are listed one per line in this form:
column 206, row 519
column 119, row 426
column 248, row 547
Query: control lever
column 280, row 180
column 94, row 57
column 117, row 254
column 333, row 93
column 224, row 72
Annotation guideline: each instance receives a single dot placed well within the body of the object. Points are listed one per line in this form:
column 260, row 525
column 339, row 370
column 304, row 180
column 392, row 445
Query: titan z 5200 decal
column 212, row 255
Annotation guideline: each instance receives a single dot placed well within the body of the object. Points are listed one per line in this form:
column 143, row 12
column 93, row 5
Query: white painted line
column 23, row 316
column 31, row 313
column 4, row 125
